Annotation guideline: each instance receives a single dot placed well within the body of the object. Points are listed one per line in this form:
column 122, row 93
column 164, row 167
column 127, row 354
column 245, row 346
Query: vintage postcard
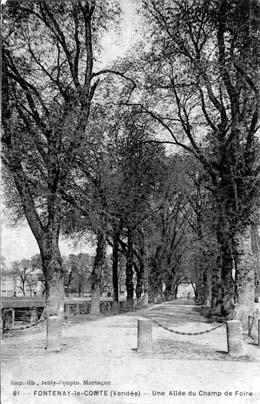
column 130, row 242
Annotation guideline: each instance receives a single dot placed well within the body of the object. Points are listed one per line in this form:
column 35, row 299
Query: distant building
column 8, row 284
column 13, row 285
column 185, row 291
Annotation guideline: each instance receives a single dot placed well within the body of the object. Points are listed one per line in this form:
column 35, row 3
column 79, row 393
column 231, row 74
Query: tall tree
column 167, row 228
column 48, row 87
column 200, row 80
column 137, row 173
column 78, row 269
column 22, row 270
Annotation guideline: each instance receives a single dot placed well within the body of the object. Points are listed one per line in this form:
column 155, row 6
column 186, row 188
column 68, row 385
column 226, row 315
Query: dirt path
column 99, row 364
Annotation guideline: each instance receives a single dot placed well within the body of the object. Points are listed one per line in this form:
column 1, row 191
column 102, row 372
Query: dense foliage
column 155, row 157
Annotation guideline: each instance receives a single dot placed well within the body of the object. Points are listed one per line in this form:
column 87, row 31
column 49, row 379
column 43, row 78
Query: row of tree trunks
column 223, row 288
column 223, row 302
column 142, row 285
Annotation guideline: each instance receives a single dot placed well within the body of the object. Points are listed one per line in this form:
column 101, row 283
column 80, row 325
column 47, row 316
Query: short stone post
column 4, row 320
column 8, row 319
column 235, row 338
column 67, row 310
column 77, row 308
column 249, row 324
column 144, row 336
column 34, row 315
column 13, row 317
column 54, row 327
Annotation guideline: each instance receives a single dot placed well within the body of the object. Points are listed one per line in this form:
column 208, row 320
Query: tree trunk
column 1, row 323
column 176, row 286
column 208, row 295
column 54, row 284
column 152, row 286
column 168, row 290
column 256, row 252
column 156, row 288
column 204, row 273
column 116, row 236
column 141, row 272
column 129, row 268
column 245, row 278
column 200, row 262
column 205, row 291
column 146, row 286
column 216, row 288
column 79, row 284
column 224, row 291
column 139, row 282
column 155, row 273
column 201, row 282
column 224, row 283
column 54, row 273
column 23, row 288
column 140, row 279
column 97, row 273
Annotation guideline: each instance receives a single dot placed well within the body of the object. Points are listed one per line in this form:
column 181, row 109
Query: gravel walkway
column 99, row 363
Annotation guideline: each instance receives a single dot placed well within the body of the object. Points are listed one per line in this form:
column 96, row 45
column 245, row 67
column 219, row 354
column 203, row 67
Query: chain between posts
column 184, row 333
column 25, row 326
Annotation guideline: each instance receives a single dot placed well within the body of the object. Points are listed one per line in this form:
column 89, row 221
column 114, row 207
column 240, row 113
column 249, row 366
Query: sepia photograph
column 130, row 201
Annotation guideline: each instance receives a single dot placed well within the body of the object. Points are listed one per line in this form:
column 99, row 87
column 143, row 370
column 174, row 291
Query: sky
column 116, row 44
column 18, row 243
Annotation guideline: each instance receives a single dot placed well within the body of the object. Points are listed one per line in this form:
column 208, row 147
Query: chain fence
column 25, row 326
column 23, row 315
column 184, row 333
